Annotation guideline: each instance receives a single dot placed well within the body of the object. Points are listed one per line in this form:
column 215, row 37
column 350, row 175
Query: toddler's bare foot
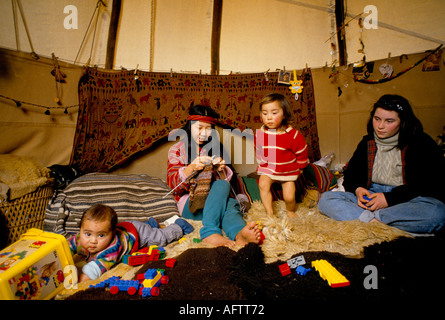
column 218, row 240
column 250, row 233
column 291, row 214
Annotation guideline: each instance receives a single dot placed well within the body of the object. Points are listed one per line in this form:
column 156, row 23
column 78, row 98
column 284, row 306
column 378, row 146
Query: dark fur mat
column 405, row 268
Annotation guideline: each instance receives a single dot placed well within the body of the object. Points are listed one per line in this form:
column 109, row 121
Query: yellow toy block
column 327, row 272
column 148, row 283
column 151, row 248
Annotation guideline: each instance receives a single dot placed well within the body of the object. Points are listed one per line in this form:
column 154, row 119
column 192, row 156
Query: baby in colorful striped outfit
column 102, row 242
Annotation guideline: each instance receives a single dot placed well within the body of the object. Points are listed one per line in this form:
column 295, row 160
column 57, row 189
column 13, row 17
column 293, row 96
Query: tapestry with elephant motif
column 123, row 112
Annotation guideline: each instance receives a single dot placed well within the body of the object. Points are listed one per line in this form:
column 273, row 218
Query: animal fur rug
column 313, row 231
column 284, row 238
column 309, row 231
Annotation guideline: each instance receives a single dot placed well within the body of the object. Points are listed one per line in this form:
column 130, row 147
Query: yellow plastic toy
column 295, row 85
column 327, row 272
column 33, row 267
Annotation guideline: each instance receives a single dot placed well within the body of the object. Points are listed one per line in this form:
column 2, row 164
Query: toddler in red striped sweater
column 281, row 151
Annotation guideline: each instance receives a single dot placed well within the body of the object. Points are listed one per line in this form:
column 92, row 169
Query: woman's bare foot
column 218, row 240
column 250, row 233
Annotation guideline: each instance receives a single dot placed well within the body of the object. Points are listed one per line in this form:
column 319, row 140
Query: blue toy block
column 150, row 273
column 302, row 270
column 105, row 283
column 113, row 278
column 146, row 292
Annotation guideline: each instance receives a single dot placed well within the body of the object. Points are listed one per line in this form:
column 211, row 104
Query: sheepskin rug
column 309, row 231
column 313, row 231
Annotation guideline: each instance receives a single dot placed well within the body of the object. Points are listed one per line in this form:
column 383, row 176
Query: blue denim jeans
column 220, row 212
column 419, row 215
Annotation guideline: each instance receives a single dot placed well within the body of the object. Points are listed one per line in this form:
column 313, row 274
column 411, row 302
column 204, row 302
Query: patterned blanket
column 121, row 113
column 133, row 197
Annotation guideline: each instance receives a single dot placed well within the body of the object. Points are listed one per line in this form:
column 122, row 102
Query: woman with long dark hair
column 197, row 150
column 395, row 176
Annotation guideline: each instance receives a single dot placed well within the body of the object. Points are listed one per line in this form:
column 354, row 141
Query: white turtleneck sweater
column 387, row 168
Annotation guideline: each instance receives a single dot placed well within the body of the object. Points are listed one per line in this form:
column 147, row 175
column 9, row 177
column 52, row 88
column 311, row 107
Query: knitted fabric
column 387, row 167
column 281, row 155
column 200, row 188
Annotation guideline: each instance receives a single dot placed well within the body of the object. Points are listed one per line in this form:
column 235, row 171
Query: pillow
column 133, row 197
column 319, row 177
column 251, row 186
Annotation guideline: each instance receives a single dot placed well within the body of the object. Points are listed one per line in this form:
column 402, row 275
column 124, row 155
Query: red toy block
column 170, row 263
column 138, row 259
column 284, row 269
column 155, row 254
column 140, row 277
column 144, row 250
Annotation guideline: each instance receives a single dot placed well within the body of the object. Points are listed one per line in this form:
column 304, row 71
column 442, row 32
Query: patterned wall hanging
column 122, row 113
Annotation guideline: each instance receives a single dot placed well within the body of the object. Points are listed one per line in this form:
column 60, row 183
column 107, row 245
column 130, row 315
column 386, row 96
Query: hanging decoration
column 361, row 68
column 362, row 49
column 363, row 80
column 432, row 63
column 284, row 77
column 333, row 51
column 295, row 85
column 136, row 79
column 59, row 76
column 20, row 103
column 386, row 69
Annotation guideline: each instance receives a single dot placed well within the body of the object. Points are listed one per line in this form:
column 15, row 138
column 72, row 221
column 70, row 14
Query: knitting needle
column 186, row 179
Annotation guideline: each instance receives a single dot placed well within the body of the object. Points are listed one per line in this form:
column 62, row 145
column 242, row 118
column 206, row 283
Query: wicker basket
column 26, row 212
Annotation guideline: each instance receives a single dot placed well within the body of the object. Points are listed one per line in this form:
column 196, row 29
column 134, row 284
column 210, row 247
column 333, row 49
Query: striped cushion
column 319, row 177
column 133, row 197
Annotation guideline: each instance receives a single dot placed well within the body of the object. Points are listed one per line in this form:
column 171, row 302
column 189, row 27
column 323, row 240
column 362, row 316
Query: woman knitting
column 197, row 154
column 395, row 176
